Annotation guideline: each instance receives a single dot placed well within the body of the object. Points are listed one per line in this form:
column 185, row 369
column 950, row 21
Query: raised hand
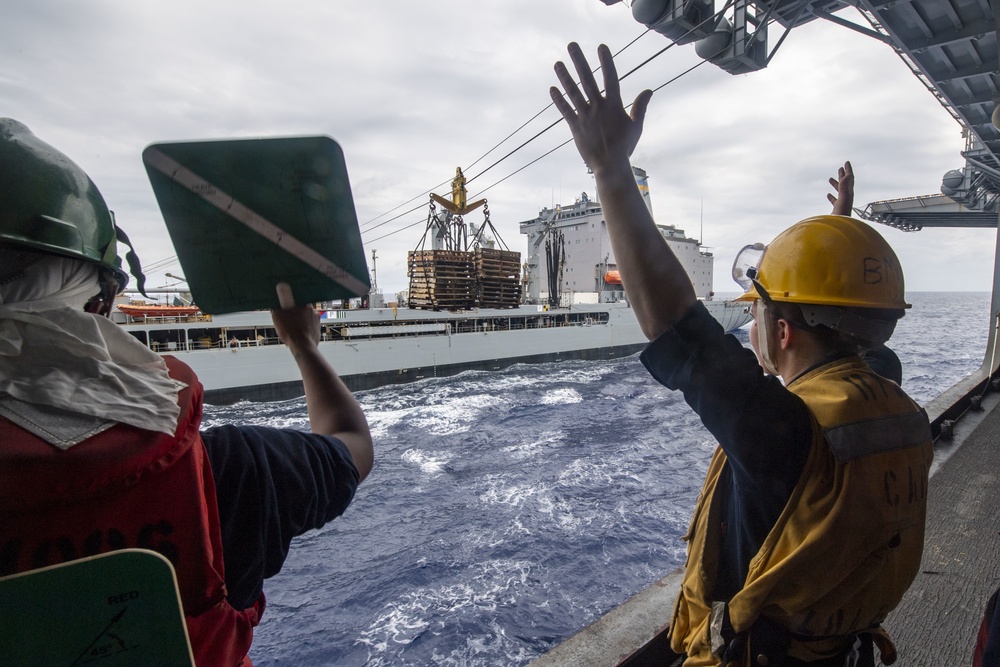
column 843, row 201
column 605, row 134
column 297, row 326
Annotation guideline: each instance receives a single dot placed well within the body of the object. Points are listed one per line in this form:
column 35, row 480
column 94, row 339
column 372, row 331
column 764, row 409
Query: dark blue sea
column 509, row 509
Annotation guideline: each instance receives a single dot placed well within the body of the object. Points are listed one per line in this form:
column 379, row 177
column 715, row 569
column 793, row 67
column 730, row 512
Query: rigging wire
column 551, row 104
column 159, row 264
column 500, row 143
column 397, row 217
column 553, row 124
column 523, row 125
column 422, row 194
column 715, row 19
column 669, row 81
column 546, row 154
column 401, row 229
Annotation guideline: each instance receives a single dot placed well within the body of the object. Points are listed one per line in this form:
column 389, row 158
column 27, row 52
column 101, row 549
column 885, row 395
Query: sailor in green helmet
column 100, row 440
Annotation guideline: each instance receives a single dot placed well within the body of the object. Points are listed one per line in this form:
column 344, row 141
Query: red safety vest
column 127, row 487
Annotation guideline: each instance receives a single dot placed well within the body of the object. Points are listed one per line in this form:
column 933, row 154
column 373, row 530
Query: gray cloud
column 412, row 90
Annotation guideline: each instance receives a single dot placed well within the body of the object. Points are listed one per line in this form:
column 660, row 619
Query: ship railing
column 633, row 634
column 198, row 345
column 218, row 338
column 164, row 319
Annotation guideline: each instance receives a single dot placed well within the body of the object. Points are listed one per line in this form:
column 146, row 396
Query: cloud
column 412, row 90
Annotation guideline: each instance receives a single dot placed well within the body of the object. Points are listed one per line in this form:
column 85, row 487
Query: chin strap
column 133, row 262
column 851, row 322
column 112, row 261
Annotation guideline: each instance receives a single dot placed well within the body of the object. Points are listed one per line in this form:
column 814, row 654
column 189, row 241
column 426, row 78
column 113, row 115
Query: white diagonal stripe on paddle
column 228, row 204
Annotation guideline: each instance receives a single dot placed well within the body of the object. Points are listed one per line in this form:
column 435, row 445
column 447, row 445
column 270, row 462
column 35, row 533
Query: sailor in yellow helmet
column 810, row 524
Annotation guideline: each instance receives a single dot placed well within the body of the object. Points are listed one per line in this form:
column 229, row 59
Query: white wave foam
column 430, row 463
column 434, row 608
column 533, row 502
column 457, row 416
column 563, row 396
column 380, row 422
column 498, row 492
column 530, row 448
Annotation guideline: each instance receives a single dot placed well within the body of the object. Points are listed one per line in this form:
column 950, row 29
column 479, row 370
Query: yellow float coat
column 849, row 541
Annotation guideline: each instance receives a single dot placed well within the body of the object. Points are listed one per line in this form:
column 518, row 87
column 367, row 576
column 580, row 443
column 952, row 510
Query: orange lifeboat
column 156, row 310
column 612, row 278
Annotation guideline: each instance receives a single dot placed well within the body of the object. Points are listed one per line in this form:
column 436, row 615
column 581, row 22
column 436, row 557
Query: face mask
column 763, row 338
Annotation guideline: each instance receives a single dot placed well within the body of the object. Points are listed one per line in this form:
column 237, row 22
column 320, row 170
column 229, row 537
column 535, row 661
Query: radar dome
column 648, row 12
column 712, row 46
column 951, row 181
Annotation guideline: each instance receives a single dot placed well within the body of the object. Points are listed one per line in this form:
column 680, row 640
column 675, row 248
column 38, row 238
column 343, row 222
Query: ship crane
column 463, row 268
column 555, row 255
column 448, row 228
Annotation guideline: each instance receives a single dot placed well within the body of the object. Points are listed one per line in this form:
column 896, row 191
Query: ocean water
column 507, row 510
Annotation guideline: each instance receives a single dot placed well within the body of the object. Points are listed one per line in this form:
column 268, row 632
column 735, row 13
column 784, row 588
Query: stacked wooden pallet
column 441, row 279
column 498, row 278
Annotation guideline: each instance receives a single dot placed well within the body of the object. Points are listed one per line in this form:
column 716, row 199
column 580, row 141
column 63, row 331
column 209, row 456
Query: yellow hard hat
column 827, row 260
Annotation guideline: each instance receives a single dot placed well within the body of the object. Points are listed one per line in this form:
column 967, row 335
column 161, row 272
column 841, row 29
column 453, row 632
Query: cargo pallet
column 461, row 280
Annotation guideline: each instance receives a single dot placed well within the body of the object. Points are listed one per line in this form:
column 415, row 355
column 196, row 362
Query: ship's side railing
column 633, row 634
column 177, row 339
column 966, row 394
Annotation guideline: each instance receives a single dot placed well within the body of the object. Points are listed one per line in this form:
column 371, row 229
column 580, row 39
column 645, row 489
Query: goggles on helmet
column 747, row 264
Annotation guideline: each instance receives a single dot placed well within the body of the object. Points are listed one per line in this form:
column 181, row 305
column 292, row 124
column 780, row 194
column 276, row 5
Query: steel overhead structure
column 949, row 45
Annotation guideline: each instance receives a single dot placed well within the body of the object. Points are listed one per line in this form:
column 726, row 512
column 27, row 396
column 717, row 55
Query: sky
column 412, row 90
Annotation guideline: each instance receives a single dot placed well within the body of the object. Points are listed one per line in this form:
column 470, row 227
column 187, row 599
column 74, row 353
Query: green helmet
column 49, row 205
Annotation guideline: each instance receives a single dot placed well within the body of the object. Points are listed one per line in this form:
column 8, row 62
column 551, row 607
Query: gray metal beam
column 915, row 213
column 991, row 361
column 975, row 31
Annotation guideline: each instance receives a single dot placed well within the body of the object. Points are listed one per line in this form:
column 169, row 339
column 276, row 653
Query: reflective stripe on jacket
column 849, row 541
column 127, row 487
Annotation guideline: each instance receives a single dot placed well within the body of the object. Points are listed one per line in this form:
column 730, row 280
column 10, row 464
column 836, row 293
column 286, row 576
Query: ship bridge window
column 167, row 340
column 250, row 336
column 202, row 339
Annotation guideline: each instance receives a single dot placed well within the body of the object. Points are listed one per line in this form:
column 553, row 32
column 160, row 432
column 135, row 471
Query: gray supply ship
column 569, row 305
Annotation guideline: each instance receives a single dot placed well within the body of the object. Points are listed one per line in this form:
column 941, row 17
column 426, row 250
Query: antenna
column 701, row 233
column 374, row 272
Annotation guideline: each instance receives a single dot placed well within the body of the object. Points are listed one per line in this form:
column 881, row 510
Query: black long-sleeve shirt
column 764, row 429
column 273, row 485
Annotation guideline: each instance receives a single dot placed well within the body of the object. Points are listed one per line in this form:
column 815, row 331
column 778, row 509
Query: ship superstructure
column 570, row 256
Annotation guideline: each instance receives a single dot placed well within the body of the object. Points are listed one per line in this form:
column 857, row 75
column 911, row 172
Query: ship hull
column 371, row 348
column 278, row 391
